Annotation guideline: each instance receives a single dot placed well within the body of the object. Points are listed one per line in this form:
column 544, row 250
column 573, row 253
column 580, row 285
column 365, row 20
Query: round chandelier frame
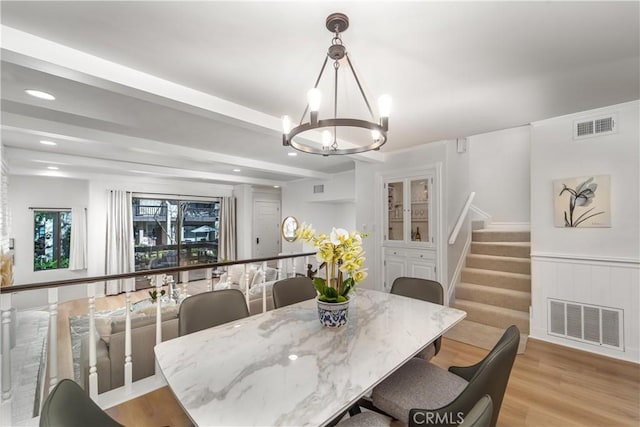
column 336, row 23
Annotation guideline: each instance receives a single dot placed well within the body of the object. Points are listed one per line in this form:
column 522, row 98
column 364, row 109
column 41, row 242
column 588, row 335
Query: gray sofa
column 110, row 340
column 110, row 349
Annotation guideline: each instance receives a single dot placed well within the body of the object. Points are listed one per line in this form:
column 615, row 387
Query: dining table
column 283, row 368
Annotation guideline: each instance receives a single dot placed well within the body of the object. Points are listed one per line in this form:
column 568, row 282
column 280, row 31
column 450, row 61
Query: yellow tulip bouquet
column 342, row 253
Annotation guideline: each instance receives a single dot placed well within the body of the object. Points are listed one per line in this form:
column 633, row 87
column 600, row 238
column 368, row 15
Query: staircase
column 495, row 288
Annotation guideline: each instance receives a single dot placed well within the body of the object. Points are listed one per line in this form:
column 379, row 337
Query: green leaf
column 341, row 299
column 330, row 292
column 318, row 282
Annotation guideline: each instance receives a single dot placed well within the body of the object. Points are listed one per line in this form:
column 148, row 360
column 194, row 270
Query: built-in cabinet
column 409, row 243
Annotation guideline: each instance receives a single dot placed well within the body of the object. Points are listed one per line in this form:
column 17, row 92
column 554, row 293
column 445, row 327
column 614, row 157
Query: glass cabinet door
column 395, row 213
column 419, row 210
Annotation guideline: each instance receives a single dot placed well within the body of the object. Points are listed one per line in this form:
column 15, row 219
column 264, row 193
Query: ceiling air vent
column 594, row 127
column 318, row 188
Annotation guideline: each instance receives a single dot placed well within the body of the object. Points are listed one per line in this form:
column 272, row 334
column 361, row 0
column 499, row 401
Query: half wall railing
column 285, row 266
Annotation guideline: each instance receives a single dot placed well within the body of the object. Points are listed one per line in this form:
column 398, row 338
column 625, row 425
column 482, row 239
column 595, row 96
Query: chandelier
column 336, row 24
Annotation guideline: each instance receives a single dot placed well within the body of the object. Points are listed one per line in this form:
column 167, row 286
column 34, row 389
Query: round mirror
column 289, row 228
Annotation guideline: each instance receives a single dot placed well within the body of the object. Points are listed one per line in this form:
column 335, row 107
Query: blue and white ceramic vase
column 333, row 314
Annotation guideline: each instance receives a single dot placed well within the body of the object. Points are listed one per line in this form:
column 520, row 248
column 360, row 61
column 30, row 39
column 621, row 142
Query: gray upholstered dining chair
column 209, row 309
column 69, row 406
column 426, row 290
column 293, row 290
column 420, row 384
column 479, row 416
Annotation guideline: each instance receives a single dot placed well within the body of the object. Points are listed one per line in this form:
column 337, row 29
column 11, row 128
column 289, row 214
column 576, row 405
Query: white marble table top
column 283, row 368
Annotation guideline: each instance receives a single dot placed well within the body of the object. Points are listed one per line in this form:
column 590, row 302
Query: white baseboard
column 630, row 355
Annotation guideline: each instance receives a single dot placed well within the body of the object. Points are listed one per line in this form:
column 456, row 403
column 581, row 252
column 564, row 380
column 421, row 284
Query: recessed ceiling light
column 40, row 94
column 48, row 143
column 236, row 170
column 293, row 356
column 276, row 186
column 53, row 168
column 292, row 154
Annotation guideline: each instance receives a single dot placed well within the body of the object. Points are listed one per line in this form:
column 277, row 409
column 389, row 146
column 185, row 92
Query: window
column 51, row 239
column 170, row 233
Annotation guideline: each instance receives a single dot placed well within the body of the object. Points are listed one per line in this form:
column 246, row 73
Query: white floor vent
column 594, row 127
column 587, row 323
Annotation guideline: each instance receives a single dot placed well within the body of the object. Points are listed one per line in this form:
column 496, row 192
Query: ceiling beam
column 129, row 145
column 44, row 55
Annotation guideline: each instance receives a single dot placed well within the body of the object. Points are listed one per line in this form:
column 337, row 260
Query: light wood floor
column 550, row 385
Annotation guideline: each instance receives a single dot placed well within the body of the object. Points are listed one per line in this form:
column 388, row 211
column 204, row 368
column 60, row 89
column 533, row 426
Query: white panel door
column 266, row 228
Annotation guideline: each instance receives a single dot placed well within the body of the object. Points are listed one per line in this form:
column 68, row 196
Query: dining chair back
column 293, row 290
column 480, row 415
column 68, row 405
column 209, row 309
column 426, row 290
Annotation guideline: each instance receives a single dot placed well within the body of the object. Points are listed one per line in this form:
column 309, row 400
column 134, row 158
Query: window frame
column 58, row 239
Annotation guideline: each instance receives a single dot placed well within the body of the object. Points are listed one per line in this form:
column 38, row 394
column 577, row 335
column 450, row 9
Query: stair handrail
column 463, row 214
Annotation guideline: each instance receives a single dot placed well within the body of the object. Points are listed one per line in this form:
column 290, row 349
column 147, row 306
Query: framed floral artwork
column 582, row 202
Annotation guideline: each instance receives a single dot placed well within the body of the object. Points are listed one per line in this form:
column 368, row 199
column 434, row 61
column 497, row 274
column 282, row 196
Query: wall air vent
column 318, row 188
column 594, row 127
column 586, row 323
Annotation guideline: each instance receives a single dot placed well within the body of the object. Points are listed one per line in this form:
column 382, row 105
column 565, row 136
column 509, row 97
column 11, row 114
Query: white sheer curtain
column 227, row 242
column 120, row 242
column 78, row 247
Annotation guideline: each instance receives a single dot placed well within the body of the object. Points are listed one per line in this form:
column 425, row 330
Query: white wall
column 333, row 208
column 499, row 174
column 43, row 192
column 598, row 266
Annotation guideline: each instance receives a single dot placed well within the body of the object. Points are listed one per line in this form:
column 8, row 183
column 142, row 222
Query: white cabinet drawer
column 421, row 255
column 397, row 252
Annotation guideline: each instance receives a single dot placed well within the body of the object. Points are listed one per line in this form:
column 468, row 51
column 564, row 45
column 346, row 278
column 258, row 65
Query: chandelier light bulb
column 384, row 104
column 313, row 98
column 375, row 135
column 286, row 125
column 326, row 139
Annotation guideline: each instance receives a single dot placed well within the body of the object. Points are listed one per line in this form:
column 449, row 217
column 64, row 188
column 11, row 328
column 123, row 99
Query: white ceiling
column 196, row 89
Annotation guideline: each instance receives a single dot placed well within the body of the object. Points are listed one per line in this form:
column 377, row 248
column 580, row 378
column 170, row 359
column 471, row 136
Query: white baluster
column 53, row 338
column 128, row 365
column 93, row 371
column 159, row 279
column 264, row 288
column 184, row 279
column 246, row 285
column 294, row 268
column 306, row 264
column 7, row 391
column 279, row 268
column 208, row 274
